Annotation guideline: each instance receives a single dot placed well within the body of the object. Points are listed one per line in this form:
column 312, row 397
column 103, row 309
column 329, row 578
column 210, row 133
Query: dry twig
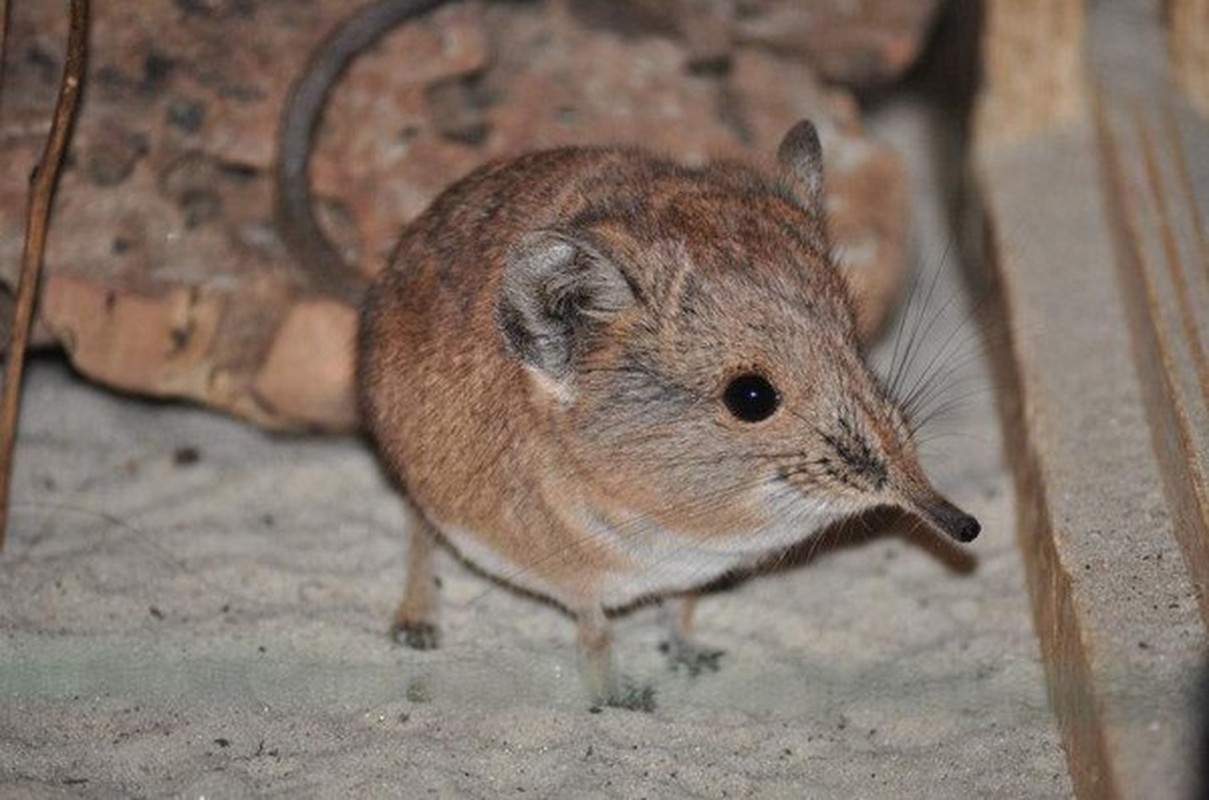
column 41, row 193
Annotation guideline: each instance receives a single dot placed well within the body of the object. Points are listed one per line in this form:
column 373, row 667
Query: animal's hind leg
column 415, row 620
column 680, row 647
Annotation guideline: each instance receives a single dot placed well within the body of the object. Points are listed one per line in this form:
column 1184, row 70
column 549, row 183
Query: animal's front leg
column 596, row 665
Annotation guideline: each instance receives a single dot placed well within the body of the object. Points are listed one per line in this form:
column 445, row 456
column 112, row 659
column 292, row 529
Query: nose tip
column 966, row 530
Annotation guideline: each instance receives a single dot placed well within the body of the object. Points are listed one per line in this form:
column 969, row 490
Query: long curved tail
column 294, row 211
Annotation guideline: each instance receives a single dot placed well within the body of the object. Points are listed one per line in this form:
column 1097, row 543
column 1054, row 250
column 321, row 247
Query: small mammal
column 604, row 377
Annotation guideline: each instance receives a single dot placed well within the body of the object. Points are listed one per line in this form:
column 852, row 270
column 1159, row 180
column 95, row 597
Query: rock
column 307, row 375
column 860, row 43
column 866, row 43
column 164, row 273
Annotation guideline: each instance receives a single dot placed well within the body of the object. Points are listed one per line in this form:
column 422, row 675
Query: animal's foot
column 690, row 657
column 416, row 634
column 629, row 695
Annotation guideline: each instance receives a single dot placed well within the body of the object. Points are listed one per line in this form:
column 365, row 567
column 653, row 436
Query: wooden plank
column 1163, row 261
column 1117, row 614
column 1032, row 66
column 1103, row 399
column 1188, row 35
column 1154, row 149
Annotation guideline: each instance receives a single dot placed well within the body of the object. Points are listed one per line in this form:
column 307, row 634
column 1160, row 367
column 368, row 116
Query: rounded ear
column 556, row 290
column 801, row 158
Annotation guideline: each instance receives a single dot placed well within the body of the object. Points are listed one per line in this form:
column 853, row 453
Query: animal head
column 697, row 351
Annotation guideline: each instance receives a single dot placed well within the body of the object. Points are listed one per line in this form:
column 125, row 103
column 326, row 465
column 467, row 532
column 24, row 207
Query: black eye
column 751, row 398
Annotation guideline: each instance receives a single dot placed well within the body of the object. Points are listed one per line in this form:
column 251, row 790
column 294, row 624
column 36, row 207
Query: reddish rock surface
column 863, row 43
column 164, row 274
column 860, row 43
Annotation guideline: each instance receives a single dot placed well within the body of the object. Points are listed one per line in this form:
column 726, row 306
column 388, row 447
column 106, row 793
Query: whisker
column 940, row 391
column 945, row 358
column 898, row 368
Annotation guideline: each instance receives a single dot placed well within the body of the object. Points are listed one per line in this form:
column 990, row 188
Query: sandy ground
column 192, row 608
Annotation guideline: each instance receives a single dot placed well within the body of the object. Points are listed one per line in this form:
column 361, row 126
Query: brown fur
column 542, row 369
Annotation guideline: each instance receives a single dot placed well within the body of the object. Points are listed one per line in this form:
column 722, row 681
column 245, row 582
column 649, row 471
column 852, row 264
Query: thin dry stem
column 3, row 39
column 41, row 193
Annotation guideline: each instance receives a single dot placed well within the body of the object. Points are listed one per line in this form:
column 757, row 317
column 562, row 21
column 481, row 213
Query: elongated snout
column 947, row 518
